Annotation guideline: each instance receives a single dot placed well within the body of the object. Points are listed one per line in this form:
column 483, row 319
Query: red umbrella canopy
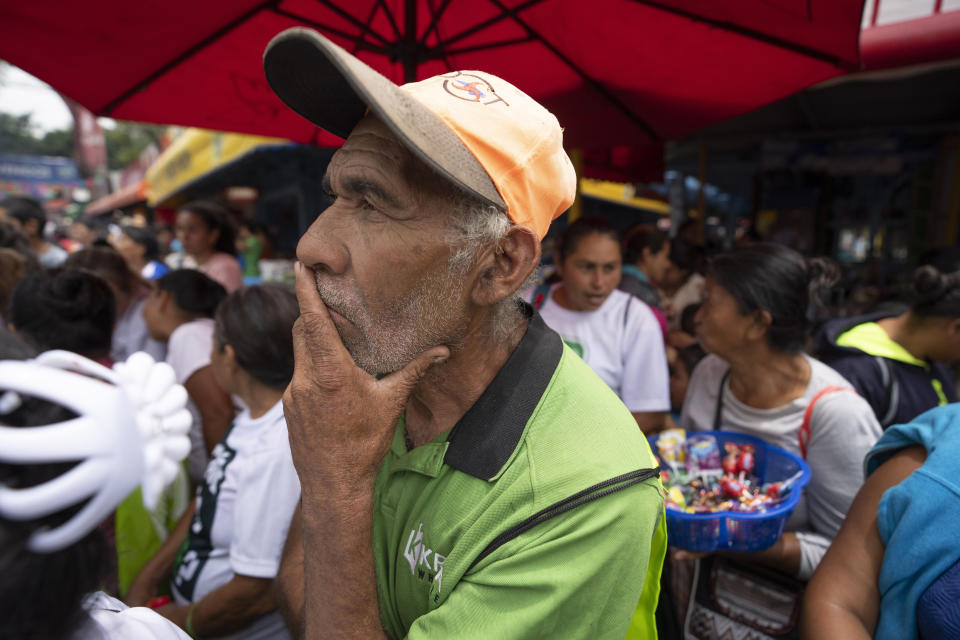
column 615, row 72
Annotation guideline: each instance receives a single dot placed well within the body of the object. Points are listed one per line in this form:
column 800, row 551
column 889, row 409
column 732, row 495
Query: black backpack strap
column 605, row 488
column 892, row 388
column 718, row 412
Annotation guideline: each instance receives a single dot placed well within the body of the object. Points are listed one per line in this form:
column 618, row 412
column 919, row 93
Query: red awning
column 934, row 38
column 126, row 196
column 616, row 72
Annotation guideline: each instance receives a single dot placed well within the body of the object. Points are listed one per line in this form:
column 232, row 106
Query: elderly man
column 483, row 482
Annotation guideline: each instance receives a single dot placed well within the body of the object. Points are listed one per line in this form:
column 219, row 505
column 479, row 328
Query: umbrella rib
column 386, row 10
column 435, row 20
column 599, row 88
column 754, row 35
column 358, row 41
column 369, row 21
column 506, row 13
column 141, row 85
column 349, row 18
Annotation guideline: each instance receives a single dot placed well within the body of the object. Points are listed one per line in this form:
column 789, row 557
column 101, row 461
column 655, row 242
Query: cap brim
column 333, row 89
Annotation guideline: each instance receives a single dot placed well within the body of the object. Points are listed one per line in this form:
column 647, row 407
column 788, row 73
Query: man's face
column 379, row 255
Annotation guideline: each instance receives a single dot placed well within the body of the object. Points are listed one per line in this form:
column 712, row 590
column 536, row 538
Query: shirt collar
column 481, row 443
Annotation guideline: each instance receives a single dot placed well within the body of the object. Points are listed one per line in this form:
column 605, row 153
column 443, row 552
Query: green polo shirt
column 548, row 446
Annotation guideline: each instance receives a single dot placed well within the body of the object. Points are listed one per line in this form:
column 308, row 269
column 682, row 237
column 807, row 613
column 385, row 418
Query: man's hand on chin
column 340, row 418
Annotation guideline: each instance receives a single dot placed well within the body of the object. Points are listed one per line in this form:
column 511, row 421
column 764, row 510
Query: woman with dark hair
column 139, row 247
column 209, row 239
column 222, row 580
column 53, row 595
column 614, row 332
column 65, row 309
column 901, row 363
column 179, row 311
column 130, row 294
column 757, row 380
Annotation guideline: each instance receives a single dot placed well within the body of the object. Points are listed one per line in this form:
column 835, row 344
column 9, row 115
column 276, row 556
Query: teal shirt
column 545, row 429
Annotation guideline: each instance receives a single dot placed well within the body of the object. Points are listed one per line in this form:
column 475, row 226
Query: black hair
column 215, row 217
column 193, row 291
column 23, row 209
column 107, row 263
column 64, row 309
column 146, row 238
column 582, row 227
column 776, row 279
column 935, row 293
column 13, row 238
column 688, row 323
column 642, row 237
column 686, row 256
column 44, row 592
column 258, row 322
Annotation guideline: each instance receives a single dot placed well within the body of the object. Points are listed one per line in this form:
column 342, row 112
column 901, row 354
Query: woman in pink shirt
column 208, row 237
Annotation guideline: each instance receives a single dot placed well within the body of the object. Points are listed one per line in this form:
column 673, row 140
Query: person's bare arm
column 650, row 422
column 226, row 609
column 288, row 587
column 842, row 599
column 341, row 422
column 213, row 403
column 144, row 586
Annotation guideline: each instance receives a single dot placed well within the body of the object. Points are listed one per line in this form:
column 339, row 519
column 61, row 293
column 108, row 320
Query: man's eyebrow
column 361, row 186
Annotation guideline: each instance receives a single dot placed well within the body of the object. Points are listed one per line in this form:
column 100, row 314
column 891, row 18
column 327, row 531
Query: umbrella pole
column 410, row 48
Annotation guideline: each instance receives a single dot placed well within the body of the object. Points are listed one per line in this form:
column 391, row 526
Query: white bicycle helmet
column 131, row 429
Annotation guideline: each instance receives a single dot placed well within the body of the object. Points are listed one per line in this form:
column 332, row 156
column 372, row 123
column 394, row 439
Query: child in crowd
column 130, row 292
column 65, row 309
column 179, row 311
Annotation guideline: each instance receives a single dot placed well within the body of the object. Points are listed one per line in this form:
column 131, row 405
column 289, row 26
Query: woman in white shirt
column 614, row 332
column 754, row 323
column 179, row 311
column 222, row 581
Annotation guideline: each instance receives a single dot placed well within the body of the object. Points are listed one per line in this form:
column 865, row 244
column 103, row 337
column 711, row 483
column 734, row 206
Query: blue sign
column 37, row 169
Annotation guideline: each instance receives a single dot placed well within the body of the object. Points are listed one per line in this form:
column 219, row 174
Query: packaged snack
column 670, row 448
column 703, row 457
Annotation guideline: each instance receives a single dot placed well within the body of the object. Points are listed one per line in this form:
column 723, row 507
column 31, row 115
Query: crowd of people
column 426, row 441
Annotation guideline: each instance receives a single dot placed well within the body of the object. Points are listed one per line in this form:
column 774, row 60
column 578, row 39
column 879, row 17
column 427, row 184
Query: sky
column 22, row 93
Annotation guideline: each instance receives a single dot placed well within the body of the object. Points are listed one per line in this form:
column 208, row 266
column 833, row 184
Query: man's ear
column 505, row 268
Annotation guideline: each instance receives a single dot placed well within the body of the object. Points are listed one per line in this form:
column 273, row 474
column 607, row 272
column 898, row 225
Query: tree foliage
column 124, row 142
column 17, row 136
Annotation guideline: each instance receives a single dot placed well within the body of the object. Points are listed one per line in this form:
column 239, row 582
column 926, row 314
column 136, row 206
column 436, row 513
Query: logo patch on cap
column 471, row 88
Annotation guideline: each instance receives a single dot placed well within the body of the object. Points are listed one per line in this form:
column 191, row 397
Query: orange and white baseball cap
column 475, row 129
